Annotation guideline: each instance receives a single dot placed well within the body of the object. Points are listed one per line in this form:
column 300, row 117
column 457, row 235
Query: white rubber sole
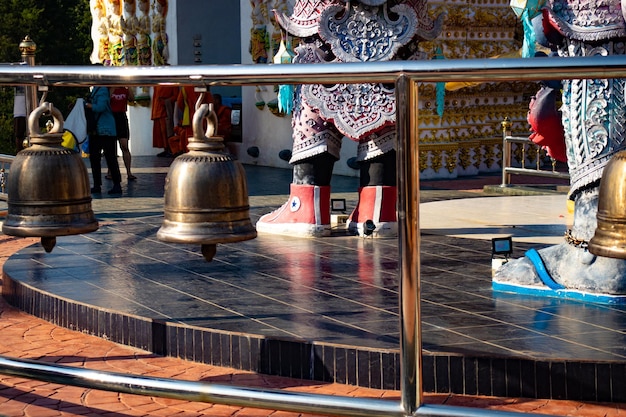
column 294, row 229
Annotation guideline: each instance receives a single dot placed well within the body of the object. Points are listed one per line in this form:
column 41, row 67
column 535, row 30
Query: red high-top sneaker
column 305, row 214
column 375, row 213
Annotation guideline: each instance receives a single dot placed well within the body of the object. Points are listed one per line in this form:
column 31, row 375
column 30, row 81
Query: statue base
column 545, row 291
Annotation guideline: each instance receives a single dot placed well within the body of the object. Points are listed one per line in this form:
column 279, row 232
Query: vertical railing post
column 28, row 48
column 506, row 152
column 409, row 244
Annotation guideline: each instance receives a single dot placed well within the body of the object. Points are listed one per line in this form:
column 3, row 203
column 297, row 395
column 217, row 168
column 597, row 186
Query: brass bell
column 48, row 186
column 609, row 239
column 206, row 195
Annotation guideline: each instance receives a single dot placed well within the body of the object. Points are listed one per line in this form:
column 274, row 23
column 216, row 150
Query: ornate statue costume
column 593, row 118
column 114, row 25
column 144, row 42
column 346, row 31
column 102, row 26
column 130, row 28
column 258, row 34
column 160, row 50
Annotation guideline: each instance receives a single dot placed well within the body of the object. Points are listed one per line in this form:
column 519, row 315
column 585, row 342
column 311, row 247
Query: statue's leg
column 570, row 264
column 307, row 211
column 593, row 120
column 375, row 213
column 315, row 150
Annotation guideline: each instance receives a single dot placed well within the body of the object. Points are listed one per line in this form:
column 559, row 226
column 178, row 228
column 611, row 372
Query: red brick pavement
column 24, row 336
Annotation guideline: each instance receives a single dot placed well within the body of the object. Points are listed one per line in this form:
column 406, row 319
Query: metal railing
column 405, row 75
column 524, row 142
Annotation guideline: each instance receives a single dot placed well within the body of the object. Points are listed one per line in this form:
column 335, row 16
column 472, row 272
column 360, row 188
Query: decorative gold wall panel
column 466, row 138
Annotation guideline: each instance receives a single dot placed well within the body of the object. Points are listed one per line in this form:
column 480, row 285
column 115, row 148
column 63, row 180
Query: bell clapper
column 48, row 243
column 209, row 251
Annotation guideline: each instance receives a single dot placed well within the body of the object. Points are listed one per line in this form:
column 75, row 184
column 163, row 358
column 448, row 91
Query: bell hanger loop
column 202, row 90
column 44, row 94
column 205, row 140
column 54, row 135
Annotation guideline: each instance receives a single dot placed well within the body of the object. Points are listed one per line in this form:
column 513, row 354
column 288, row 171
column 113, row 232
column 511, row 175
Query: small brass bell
column 609, row 239
column 206, row 195
column 48, row 186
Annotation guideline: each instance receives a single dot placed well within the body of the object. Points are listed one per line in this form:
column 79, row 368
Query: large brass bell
column 206, row 195
column 48, row 186
column 609, row 239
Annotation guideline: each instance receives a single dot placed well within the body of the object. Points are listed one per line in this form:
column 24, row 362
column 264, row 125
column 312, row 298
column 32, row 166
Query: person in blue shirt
column 104, row 141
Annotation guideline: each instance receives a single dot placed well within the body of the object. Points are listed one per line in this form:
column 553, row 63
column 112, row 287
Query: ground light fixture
column 338, row 204
column 501, row 249
column 338, row 216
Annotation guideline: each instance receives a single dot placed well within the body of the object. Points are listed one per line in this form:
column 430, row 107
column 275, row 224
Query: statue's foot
column 375, row 213
column 568, row 267
column 305, row 214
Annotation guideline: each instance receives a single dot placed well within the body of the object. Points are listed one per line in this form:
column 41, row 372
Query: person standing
column 19, row 117
column 163, row 100
column 184, row 109
column 120, row 96
column 104, row 141
column 224, row 114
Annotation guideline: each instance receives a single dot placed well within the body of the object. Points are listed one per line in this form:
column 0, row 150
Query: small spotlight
column 368, row 228
column 502, row 246
column 338, row 204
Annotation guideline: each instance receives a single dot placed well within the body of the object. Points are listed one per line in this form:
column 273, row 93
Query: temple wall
column 263, row 129
column 464, row 140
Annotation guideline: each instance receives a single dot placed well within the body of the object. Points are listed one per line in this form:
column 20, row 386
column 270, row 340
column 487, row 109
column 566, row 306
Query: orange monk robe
column 187, row 96
column 224, row 125
column 163, row 100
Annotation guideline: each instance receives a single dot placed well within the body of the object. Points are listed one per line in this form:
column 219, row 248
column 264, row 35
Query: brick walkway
column 23, row 336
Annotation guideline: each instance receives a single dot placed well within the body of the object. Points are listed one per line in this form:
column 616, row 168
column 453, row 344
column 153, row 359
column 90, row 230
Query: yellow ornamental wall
column 466, row 139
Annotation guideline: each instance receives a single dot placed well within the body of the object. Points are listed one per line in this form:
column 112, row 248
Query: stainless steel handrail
column 224, row 394
column 198, row 391
column 475, row 70
column 406, row 75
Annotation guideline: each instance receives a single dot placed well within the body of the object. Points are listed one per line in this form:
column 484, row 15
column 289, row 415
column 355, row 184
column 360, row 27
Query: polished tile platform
column 327, row 309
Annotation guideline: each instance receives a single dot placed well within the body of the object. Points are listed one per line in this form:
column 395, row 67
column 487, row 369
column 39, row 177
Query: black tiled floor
column 335, row 291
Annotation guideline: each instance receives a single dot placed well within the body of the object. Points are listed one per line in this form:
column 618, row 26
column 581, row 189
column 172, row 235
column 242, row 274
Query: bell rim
column 49, row 231
column 607, row 252
column 202, row 240
column 205, row 234
column 606, row 243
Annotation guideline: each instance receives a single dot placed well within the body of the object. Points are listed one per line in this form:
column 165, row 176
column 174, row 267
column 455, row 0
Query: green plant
column 61, row 29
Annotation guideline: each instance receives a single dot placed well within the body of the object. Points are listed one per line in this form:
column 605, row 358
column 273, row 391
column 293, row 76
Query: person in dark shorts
column 120, row 97
column 19, row 118
column 103, row 141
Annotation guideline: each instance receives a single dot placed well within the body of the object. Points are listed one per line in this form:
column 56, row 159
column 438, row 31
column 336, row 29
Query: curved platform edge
column 448, row 373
